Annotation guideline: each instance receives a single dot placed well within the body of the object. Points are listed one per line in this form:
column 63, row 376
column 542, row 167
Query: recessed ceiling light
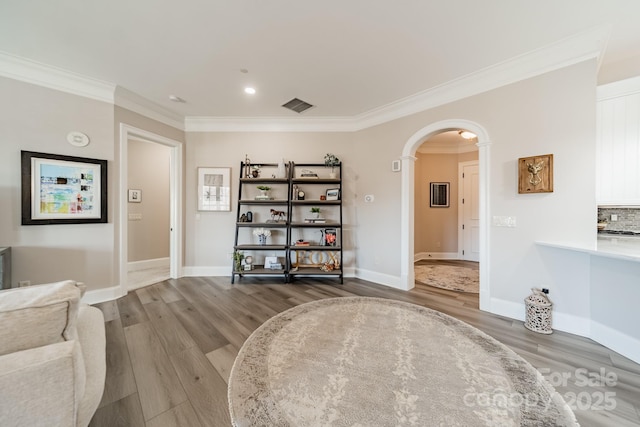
column 249, row 90
column 176, row 99
column 466, row 134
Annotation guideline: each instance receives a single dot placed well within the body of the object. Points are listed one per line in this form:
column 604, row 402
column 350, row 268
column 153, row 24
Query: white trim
column 148, row 263
column 447, row 149
column 175, row 204
column 617, row 89
column 102, row 295
column 26, row 70
column 616, row 341
column 380, row 278
column 434, row 255
column 269, row 124
column 571, row 50
column 133, row 102
column 407, row 202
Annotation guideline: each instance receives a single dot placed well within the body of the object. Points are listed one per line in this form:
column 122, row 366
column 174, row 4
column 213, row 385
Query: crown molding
column 39, row 74
column 269, row 124
column 577, row 48
column 563, row 53
column 617, row 89
column 138, row 104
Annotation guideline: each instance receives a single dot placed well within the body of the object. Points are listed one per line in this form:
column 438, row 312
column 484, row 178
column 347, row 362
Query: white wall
column 38, row 119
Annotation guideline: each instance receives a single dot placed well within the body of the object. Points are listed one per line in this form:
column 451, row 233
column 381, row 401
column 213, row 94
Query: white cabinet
column 618, row 143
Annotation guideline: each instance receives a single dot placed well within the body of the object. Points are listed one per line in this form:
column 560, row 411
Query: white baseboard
column 148, row 263
column 616, row 341
column 560, row 321
column 434, row 255
column 102, row 295
column 379, row 278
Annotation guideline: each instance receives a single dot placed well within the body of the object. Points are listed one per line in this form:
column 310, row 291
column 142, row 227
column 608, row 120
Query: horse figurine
column 277, row 215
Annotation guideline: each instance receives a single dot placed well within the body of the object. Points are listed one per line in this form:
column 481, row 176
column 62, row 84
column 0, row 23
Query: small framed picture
column 439, row 197
column 330, row 237
column 333, row 194
column 135, row 196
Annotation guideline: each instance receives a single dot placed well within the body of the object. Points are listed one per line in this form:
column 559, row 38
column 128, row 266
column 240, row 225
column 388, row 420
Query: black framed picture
column 330, row 237
column 59, row 189
column 439, row 195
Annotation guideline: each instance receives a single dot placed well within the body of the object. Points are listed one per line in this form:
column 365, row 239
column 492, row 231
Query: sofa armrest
column 42, row 386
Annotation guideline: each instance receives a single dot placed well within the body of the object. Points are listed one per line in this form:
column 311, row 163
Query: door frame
column 128, row 132
column 461, row 166
column 407, row 278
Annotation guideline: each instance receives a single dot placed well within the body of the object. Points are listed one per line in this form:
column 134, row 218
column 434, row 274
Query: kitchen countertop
column 616, row 246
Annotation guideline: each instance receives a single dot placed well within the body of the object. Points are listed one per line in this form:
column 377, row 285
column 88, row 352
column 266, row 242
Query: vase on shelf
column 332, row 174
column 262, row 239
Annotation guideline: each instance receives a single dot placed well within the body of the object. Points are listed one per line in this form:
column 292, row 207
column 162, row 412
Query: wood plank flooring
column 171, row 346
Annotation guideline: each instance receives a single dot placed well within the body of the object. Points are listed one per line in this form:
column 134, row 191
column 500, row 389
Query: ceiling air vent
column 297, row 105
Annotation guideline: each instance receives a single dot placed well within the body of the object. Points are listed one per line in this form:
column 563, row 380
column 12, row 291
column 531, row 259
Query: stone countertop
column 606, row 245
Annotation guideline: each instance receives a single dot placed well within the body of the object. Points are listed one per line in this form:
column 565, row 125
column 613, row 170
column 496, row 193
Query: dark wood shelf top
column 263, row 224
column 252, row 247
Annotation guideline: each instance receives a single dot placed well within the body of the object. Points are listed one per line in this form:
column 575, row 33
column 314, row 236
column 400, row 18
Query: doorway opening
column 174, row 224
column 446, row 213
column 408, row 201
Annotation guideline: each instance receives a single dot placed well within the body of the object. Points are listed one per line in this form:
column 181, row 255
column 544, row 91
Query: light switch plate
column 504, row 221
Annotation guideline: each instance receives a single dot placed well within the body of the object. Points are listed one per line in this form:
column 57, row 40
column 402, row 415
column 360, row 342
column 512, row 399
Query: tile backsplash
column 628, row 218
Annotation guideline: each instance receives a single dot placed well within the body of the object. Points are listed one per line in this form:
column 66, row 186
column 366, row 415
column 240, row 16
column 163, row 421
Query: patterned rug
column 453, row 278
column 360, row 361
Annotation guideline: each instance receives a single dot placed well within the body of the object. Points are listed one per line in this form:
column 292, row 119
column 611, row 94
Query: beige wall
column 436, row 229
column 148, row 170
column 551, row 113
column 210, row 235
column 37, row 119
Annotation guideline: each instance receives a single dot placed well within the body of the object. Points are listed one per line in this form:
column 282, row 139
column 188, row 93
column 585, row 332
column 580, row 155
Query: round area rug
column 451, row 277
column 361, row 361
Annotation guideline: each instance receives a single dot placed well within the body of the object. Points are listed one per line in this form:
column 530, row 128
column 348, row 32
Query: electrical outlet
column 614, row 217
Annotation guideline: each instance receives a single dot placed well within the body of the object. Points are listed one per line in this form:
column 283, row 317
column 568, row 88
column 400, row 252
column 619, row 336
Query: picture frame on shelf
column 330, row 237
column 135, row 196
column 59, row 189
column 333, row 194
column 214, row 189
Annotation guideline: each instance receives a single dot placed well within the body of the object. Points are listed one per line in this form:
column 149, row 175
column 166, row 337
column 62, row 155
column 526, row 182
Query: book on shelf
column 315, row 220
column 301, row 243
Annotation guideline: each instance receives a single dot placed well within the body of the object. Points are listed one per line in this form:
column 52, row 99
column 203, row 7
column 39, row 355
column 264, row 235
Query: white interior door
column 469, row 217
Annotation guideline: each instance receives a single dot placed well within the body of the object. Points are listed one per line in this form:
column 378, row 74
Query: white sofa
column 52, row 356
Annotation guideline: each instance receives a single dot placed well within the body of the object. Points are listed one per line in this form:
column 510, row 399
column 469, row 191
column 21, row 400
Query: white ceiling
column 345, row 57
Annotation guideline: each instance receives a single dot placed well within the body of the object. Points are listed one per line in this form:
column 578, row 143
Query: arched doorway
column 407, row 201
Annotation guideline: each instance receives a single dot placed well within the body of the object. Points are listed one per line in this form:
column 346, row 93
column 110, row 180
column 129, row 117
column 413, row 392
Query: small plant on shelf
column 238, row 256
column 331, row 161
column 315, row 212
column 264, row 187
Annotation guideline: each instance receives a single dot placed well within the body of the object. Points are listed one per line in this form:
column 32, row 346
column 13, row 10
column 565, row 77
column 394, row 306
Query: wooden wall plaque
column 535, row 174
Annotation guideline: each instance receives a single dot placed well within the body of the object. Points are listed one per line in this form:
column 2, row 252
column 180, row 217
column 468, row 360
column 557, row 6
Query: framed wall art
column 214, row 189
column 439, row 195
column 535, row 174
column 59, row 189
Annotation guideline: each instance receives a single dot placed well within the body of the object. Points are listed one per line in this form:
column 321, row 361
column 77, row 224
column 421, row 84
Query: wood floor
column 171, row 346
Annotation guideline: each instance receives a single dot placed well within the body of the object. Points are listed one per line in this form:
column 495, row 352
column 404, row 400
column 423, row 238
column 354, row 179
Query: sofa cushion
column 42, row 386
column 38, row 315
